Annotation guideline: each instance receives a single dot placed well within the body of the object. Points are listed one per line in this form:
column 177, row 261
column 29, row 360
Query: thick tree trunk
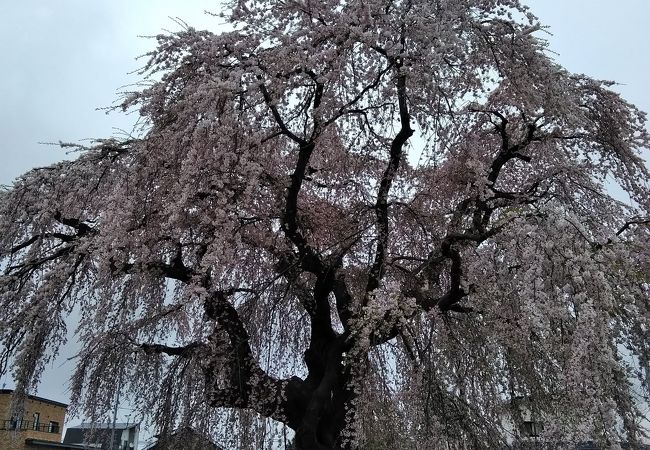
column 323, row 420
column 323, row 430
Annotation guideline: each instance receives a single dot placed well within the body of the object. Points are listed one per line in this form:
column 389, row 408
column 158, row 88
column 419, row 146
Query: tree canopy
column 377, row 223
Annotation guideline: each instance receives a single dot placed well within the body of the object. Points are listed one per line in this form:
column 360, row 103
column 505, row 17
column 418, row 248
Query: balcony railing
column 26, row 425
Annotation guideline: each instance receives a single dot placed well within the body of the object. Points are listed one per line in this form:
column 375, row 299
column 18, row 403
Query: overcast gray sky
column 63, row 59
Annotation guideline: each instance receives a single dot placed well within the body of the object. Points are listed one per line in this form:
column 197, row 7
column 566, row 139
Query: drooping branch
column 61, row 236
column 288, row 267
column 66, row 245
column 344, row 300
column 310, row 260
column 175, row 270
column 27, row 268
column 247, row 385
column 381, row 205
column 629, row 223
column 478, row 232
column 416, row 284
column 278, row 117
column 185, row 351
column 509, row 151
column 347, row 107
column 79, row 225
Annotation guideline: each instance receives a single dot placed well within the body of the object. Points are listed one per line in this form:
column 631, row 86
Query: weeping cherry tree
column 347, row 224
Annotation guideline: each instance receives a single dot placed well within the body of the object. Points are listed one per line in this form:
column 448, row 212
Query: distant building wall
column 125, row 436
column 43, row 420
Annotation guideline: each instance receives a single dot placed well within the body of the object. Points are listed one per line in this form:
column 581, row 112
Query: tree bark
column 330, row 397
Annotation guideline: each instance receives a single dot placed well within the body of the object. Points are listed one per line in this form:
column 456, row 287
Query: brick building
column 40, row 427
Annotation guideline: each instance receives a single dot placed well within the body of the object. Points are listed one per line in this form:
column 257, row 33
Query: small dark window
column 53, row 427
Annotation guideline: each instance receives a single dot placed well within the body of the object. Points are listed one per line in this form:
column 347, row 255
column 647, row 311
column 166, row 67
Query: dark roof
column 186, row 438
column 53, row 445
column 34, row 397
column 106, row 426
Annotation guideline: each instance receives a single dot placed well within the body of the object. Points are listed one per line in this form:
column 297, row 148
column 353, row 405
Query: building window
column 36, row 419
column 53, row 427
column 531, row 429
column 16, row 424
